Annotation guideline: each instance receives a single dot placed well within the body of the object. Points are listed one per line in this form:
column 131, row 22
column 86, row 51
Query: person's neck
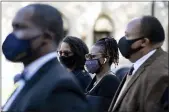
column 141, row 54
column 71, row 69
column 102, row 73
column 36, row 56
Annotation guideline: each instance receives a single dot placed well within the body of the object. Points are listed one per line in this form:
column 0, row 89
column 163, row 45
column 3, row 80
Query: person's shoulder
column 85, row 73
column 110, row 77
column 160, row 63
column 157, row 63
column 158, row 70
column 82, row 73
column 65, row 79
column 62, row 76
column 67, row 83
column 161, row 58
column 109, row 83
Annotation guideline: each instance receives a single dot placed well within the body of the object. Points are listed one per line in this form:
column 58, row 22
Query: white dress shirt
column 139, row 62
column 136, row 65
column 30, row 70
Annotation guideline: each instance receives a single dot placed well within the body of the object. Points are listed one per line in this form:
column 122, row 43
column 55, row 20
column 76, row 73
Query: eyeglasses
column 94, row 56
column 64, row 53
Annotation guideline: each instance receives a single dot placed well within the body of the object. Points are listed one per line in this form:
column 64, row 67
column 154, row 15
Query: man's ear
column 145, row 42
column 49, row 35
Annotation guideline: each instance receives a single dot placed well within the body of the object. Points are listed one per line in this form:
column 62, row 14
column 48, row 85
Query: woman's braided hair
column 110, row 48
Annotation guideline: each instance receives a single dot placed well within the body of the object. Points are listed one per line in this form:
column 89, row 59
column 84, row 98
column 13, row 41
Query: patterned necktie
column 131, row 70
column 125, row 84
column 15, row 86
column 19, row 77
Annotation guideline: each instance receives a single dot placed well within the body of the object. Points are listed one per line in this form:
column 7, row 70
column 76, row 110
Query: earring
column 105, row 60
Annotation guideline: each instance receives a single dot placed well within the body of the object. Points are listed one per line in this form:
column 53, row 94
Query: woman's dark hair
column 79, row 48
column 110, row 48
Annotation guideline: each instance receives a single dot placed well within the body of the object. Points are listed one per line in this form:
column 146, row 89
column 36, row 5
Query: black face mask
column 125, row 47
column 68, row 61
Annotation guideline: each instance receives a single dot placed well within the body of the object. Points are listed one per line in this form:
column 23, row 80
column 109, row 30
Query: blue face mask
column 93, row 66
column 15, row 49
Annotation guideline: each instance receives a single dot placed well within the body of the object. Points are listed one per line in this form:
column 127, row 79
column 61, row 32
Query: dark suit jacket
column 146, row 88
column 104, row 91
column 83, row 78
column 51, row 89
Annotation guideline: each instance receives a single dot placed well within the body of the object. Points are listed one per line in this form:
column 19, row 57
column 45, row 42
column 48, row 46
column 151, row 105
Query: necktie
column 15, row 86
column 19, row 77
column 131, row 70
column 128, row 77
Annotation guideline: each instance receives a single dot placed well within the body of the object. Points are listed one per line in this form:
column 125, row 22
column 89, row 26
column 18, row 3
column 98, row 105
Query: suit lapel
column 49, row 80
column 9, row 97
column 29, row 84
column 117, row 93
column 91, row 84
column 130, row 83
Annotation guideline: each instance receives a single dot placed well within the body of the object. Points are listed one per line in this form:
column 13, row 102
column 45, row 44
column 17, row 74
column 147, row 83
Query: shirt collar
column 33, row 67
column 139, row 62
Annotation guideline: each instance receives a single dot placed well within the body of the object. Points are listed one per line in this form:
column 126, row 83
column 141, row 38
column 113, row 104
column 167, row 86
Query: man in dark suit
column 143, row 88
column 45, row 86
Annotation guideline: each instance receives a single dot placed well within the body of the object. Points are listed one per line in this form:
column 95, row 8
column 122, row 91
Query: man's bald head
column 133, row 29
column 146, row 26
column 141, row 36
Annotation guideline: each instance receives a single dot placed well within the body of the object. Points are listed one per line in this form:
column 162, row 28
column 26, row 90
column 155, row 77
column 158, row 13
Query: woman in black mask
column 104, row 85
column 72, row 55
